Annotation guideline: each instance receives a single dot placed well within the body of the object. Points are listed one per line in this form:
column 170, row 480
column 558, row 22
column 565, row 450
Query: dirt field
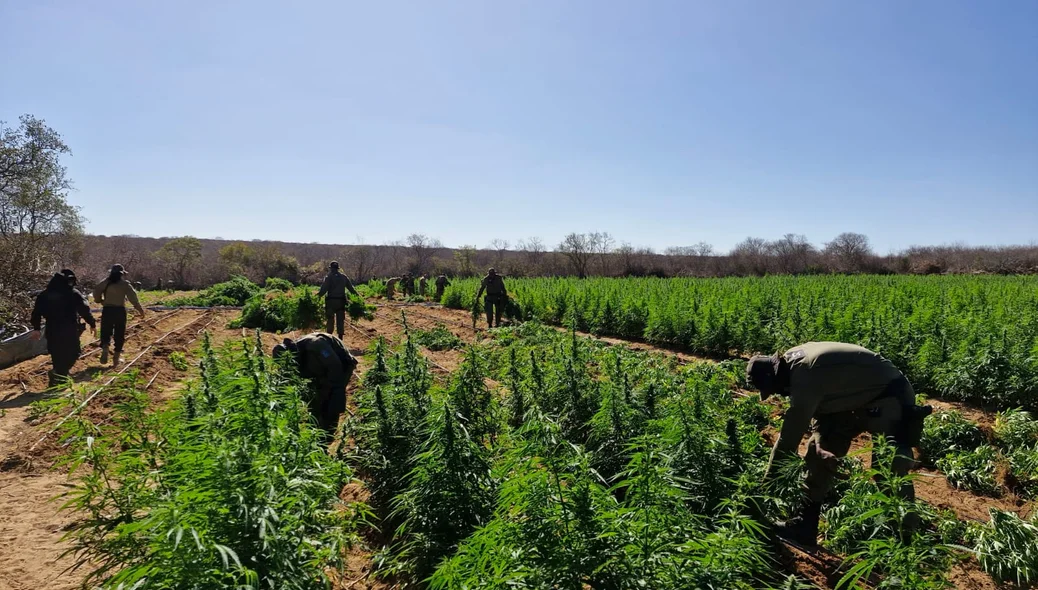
column 31, row 525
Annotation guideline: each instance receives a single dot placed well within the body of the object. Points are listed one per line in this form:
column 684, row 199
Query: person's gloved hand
column 829, row 460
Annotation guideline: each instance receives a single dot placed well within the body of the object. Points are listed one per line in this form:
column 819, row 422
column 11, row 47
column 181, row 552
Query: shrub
column 277, row 284
column 439, row 338
column 178, row 360
column 1007, row 548
column 949, row 432
column 1016, row 428
column 972, row 470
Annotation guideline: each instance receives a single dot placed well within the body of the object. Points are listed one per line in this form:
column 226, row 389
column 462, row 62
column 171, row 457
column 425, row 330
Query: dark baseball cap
column 761, row 372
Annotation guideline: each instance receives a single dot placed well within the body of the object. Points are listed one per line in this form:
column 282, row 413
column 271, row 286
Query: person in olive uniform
column 846, row 390
column 407, row 285
column 441, row 284
column 334, row 290
column 391, row 287
column 497, row 296
column 112, row 293
column 423, row 284
column 62, row 306
column 324, row 360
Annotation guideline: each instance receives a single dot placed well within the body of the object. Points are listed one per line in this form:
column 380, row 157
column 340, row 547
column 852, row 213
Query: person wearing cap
column 391, row 287
column 324, row 361
column 441, row 284
column 423, row 284
column 497, row 296
column 334, row 290
column 846, row 390
column 62, row 306
column 113, row 293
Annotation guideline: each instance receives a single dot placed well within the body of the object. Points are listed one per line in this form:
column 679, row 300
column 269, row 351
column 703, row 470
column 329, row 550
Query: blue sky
column 663, row 123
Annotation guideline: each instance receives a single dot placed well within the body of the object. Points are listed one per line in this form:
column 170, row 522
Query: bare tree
column 603, row 244
column 751, row 256
column 395, row 252
column 580, row 250
column 422, row 250
column 362, row 261
column 500, row 247
column 792, row 253
column 533, row 252
column 849, row 252
column 633, row 261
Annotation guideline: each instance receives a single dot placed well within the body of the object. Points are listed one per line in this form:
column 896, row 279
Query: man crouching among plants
column 324, row 361
column 847, row 390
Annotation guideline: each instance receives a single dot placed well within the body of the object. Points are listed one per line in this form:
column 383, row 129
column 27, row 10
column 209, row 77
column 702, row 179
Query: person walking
column 334, row 290
column 442, row 282
column 61, row 305
column 846, row 390
column 328, row 365
column 113, row 293
column 497, row 296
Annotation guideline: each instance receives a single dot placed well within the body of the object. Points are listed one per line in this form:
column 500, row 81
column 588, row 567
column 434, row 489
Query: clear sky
column 663, row 123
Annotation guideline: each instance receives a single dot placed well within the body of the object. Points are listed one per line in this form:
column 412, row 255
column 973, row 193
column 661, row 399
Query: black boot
column 802, row 529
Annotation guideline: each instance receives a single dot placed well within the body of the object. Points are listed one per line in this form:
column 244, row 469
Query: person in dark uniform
column 324, row 360
column 441, row 284
column 334, row 290
column 62, row 306
column 846, row 390
column 497, row 296
column 408, row 285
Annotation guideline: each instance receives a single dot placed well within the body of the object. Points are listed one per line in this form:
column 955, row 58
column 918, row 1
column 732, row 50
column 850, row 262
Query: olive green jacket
column 829, row 378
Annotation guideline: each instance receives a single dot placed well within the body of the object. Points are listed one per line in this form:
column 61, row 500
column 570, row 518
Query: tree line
column 188, row 262
column 40, row 232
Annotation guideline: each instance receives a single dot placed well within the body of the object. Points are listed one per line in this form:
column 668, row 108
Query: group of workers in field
column 836, row 391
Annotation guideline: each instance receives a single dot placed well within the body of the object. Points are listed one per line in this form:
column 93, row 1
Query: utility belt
column 889, row 413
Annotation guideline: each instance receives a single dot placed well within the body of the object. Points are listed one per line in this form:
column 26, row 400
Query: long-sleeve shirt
column 324, row 359
column 335, row 286
column 60, row 305
column 493, row 285
column 116, row 294
column 828, row 378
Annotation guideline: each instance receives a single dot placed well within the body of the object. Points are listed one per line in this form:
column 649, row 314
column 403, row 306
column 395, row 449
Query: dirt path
column 31, row 525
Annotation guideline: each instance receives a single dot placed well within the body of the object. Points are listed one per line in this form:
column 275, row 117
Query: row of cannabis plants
column 551, row 461
column 960, row 337
column 227, row 487
column 277, row 306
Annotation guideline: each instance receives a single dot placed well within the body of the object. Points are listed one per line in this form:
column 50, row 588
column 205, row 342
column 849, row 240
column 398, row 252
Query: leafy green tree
column 179, row 254
column 39, row 229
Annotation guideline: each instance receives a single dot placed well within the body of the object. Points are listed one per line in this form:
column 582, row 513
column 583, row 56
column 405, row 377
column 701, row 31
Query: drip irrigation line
column 135, row 332
column 111, row 380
